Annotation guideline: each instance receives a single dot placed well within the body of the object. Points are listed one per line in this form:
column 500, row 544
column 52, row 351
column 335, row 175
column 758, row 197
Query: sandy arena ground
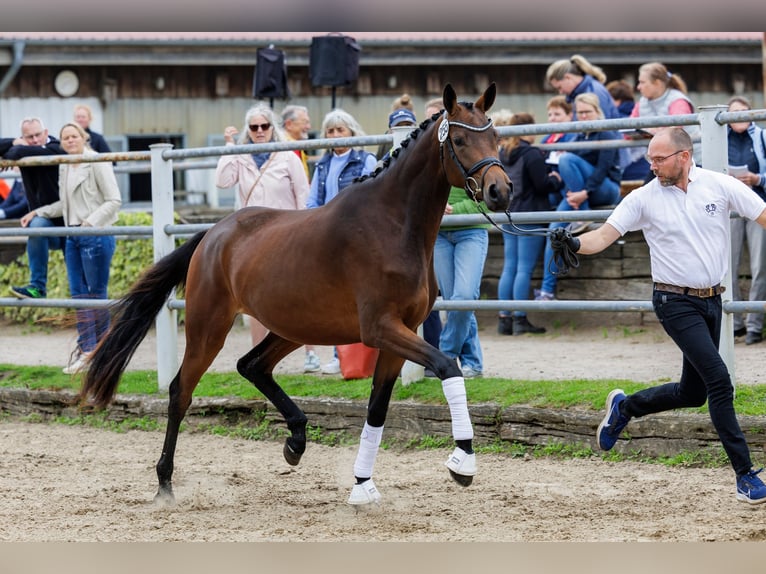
column 59, row 483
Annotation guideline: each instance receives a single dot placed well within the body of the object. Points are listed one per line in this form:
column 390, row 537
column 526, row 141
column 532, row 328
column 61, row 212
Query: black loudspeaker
column 333, row 60
column 270, row 79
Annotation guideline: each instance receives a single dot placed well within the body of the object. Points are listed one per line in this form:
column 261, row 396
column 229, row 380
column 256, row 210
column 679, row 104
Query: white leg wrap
column 454, row 392
column 368, row 450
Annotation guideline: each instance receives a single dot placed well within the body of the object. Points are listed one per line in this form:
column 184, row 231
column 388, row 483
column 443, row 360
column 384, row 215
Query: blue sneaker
column 28, row 292
column 610, row 428
column 750, row 488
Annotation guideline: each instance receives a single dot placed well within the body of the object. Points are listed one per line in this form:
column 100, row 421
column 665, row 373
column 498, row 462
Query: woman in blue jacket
column 591, row 179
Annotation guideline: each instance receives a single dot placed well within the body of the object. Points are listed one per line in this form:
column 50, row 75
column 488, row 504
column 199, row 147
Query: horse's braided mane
column 412, row 136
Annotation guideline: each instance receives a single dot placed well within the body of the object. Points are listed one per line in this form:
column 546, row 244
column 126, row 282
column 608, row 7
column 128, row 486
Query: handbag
column 357, row 360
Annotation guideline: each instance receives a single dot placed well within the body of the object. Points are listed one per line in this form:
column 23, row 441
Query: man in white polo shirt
column 684, row 215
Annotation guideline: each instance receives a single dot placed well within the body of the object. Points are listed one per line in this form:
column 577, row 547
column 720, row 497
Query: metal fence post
column 166, row 323
column 715, row 156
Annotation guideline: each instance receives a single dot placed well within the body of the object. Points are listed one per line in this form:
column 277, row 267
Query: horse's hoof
column 164, row 497
column 364, row 493
column 292, row 456
column 462, row 466
column 461, row 479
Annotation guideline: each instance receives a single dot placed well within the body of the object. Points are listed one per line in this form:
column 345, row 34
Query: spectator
column 559, row 111
column 41, row 185
column 591, row 179
column 296, row 124
column 634, row 165
column 688, row 246
column 399, row 118
column 662, row 94
column 89, row 197
column 459, row 255
column 747, row 148
column 83, row 116
column 271, row 179
column 578, row 76
column 403, row 102
column 623, row 96
column 15, row 205
column 532, row 186
column 337, row 168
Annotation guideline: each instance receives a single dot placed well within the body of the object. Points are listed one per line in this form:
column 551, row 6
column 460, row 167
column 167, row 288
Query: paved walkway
column 641, row 353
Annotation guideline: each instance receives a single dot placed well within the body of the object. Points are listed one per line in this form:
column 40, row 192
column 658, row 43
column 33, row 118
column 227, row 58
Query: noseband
column 472, row 186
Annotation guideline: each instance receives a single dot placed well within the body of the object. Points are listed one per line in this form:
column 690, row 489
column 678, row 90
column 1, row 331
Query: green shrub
column 131, row 257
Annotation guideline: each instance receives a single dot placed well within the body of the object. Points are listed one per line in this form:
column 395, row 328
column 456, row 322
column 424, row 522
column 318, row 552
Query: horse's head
column 468, row 148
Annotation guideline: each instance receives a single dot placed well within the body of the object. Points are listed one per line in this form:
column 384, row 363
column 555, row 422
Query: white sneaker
column 77, row 365
column 460, row 462
column 331, row 368
column 364, row 493
column 312, row 364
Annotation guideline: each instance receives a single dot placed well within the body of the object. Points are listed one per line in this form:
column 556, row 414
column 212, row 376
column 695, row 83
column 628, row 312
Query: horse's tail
column 132, row 316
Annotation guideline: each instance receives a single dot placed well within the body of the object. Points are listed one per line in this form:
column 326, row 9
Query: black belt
column 703, row 293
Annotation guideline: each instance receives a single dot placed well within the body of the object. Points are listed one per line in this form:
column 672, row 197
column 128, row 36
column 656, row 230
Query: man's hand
column 565, row 249
column 561, row 236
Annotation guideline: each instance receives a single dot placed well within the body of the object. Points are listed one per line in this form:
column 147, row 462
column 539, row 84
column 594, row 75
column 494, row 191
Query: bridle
column 472, row 186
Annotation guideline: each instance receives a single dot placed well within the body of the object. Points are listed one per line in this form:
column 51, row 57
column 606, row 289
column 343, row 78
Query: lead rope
column 563, row 259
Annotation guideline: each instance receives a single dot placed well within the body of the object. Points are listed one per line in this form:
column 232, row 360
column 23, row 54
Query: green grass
column 580, row 393
column 577, row 393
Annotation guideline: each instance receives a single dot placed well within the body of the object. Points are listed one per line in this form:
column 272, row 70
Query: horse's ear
column 450, row 99
column 487, row 98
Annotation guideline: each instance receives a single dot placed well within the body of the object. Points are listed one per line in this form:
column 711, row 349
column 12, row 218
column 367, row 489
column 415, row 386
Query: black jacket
column 525, row 166
column 41, row 183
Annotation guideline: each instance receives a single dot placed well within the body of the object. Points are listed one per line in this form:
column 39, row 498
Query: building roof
column 383, row 37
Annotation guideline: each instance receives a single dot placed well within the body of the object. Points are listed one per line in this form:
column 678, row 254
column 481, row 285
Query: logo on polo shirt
column 711, row 209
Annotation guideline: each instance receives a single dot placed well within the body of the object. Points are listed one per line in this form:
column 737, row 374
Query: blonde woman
column 89, row 197
column 578, row 76
column 591, row 179
column 664, row 93
column 271, row 179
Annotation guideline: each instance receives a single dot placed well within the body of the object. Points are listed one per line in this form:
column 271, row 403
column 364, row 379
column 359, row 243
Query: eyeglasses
column 263, row 127
column 659, row 160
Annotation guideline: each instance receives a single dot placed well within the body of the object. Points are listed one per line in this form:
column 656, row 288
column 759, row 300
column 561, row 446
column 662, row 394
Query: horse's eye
column 459, row 141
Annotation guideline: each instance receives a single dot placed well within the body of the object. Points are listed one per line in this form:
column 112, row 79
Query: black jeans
column 694, row 324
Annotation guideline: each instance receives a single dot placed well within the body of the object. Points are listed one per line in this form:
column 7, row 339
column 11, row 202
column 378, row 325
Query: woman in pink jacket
column 271, row 179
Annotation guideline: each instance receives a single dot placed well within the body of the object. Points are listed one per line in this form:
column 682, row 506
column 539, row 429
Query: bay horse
column 359, row 268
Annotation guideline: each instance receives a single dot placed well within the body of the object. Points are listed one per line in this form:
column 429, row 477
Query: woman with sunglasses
column 270, row 179
column 337, row 168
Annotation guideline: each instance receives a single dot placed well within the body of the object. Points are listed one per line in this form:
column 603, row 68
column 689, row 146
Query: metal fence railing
column 712, row 121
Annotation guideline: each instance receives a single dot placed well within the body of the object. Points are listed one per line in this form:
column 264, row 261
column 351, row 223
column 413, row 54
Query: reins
column 563, row 257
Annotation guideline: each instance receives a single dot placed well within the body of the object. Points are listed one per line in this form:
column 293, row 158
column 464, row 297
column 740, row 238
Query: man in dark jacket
column 41, row 184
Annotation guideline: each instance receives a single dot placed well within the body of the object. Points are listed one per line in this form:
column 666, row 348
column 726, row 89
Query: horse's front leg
column 364, row 490
column 462, row 462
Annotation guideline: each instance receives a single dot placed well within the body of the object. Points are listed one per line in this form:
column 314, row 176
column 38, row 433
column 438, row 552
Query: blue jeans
column 747, row 231
column 88, row 259
column 694, row 324
column 575, row 171
column 521, row 253
column 459, row 257
column 37, row 253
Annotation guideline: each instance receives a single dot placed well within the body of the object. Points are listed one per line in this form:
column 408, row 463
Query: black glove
column 565, row 249
column 561, row 236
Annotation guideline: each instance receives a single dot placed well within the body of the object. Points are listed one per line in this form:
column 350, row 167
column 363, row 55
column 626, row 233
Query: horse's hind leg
column 257, row 367
column 202, row 346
